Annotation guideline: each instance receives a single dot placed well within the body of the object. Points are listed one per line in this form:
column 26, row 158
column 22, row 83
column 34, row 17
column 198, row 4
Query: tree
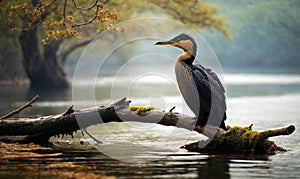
column 46, row 27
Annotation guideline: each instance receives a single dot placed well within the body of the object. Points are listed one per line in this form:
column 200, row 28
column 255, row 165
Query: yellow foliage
column 59, row 20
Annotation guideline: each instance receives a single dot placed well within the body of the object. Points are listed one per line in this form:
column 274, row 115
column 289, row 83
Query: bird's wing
column 203, row 87
column 211, row 90
column 215, row 77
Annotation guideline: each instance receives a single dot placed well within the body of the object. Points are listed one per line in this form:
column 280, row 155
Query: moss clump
column 237, row 139
column 241, row 138
column 139, row 109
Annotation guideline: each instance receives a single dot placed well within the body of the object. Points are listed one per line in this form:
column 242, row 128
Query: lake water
column 264, row 100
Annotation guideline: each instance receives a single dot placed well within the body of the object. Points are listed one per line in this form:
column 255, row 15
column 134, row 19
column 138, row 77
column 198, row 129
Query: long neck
column 186, row 57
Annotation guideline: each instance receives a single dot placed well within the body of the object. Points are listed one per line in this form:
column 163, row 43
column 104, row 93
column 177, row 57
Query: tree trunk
column 42, row 69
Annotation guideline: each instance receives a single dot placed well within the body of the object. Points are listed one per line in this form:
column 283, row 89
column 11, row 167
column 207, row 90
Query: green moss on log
column 239, row 140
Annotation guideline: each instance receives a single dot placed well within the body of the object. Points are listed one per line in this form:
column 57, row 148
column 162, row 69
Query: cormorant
column 200, row 87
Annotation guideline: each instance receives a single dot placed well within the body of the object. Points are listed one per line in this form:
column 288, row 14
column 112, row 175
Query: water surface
column 264, row 100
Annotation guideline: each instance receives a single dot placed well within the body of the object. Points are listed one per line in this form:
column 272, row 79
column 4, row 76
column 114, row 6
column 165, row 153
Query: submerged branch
column 16, row 111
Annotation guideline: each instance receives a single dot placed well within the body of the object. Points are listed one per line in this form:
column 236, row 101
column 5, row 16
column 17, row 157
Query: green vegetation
column 265, row 33
column 238, row 139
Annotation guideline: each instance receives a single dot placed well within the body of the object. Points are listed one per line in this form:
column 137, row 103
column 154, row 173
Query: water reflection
column 181, row 165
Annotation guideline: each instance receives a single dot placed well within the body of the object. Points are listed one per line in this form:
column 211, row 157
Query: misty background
column 265, row 37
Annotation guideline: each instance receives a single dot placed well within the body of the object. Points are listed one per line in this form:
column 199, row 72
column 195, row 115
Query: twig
column 69, row 110
column 50, row 4
column 85, row 9
column 16, row 111
column 64, row 13
column 89, row 21
column 172, row 109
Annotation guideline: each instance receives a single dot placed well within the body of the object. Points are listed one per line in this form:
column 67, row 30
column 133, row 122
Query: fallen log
column 242, row 139
column 40, row 129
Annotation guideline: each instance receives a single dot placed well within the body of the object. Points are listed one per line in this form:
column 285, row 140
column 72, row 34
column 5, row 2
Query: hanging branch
column 64, row 12
column 16, row 111
column 50, row 4
column 85, row 9
column 89, row 21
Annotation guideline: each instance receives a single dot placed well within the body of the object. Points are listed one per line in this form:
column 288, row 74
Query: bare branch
column 69, row 110
column 50, row 4
column 89, row 21
column 85, row 9
column 64, row 12
column 62, row 55
column 172, row 109
column 276, row 132
column 16, row 111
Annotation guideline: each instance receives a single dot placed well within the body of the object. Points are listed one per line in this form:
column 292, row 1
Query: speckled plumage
column 187, row 86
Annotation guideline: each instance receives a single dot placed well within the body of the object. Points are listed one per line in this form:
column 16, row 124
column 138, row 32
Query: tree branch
column 276, row 132
column 85, row 9
column 16, row 111
column 64, row 12
column 65, row 51
column 89, row 21
column 50, row 4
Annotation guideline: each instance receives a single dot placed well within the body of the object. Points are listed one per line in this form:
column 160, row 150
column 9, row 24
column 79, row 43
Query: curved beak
column 164, row 43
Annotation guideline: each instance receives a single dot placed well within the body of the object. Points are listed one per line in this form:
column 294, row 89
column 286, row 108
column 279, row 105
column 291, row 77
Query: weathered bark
column 276, row 132
column 42, row 128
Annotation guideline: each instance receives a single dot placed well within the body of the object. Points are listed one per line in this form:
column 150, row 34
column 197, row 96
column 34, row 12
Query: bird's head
column 186, row 43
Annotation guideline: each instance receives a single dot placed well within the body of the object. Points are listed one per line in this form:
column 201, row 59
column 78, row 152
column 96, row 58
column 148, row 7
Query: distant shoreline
column 14, row 82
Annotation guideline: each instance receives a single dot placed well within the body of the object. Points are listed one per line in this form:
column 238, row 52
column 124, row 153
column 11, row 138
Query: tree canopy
column 52, row 22
column 65, row 19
